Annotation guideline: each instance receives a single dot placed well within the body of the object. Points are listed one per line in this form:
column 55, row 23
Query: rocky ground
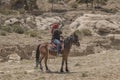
column 96, row 59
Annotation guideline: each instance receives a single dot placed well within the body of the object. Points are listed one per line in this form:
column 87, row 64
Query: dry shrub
column 74, row 5
column 3, row 33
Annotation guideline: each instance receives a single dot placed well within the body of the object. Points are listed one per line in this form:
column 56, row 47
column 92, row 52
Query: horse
column 43, row 50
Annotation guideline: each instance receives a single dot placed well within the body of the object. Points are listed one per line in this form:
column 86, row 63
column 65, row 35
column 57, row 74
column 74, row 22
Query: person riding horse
column 56, row 37
column 43, row 51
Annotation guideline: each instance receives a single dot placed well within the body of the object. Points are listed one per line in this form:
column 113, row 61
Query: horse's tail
column 37, row 55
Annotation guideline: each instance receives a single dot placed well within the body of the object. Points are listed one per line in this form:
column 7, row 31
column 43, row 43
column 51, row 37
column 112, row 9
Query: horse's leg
column 66, row 61
column 61, row 70
column 46, row 58
column 42, row 57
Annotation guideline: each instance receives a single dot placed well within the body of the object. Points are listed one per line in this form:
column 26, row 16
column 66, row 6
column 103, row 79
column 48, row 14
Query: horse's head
column 75, row 39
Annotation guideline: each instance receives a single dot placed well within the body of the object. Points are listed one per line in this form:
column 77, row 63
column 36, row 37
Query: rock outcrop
column 32, row 22
column 104, row 30
column 97, row 23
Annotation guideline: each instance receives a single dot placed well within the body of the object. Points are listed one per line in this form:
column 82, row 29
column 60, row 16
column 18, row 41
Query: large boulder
column 104, row 26
column 97, row 23
column 11, row 21
column 105, row 32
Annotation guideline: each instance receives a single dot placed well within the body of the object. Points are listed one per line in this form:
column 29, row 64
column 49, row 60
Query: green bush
column 18, row 29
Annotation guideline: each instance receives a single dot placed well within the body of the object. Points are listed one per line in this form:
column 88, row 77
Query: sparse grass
column 3, row 33
column 84, row 74
column 18, row 29
column 110, row 10
column 52, row 1
column 117, row 47
column 7, row 11
column 14, row 28
column 74, row 5
column 41, row 78
column 21, row 11
column 77, row 64
column 84, row 32
column 33, row 33
column 6, row 28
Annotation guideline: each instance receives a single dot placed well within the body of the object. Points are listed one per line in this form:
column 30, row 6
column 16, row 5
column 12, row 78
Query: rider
column 56, row 36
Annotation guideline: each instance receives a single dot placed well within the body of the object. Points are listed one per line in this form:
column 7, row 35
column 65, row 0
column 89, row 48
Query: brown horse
column 43, row 50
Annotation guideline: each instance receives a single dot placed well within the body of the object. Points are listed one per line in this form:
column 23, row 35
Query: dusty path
column 103, row 66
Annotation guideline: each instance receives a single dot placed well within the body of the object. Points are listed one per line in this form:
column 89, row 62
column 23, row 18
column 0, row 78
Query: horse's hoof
column 67, row 71
column 61, row 71
column 41, row 69
column 48, row 71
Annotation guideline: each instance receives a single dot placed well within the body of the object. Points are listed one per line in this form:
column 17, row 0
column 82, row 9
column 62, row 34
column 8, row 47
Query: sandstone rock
column 14, row 57
column 104, row 26
column 11, row 21
column 97, row 23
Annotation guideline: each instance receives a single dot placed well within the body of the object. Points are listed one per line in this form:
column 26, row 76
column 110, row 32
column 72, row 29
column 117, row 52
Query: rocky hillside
column 98, row 29
column 97, row 32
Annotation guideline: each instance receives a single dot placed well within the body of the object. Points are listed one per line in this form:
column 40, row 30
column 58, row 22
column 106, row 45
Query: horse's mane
column 67, row 41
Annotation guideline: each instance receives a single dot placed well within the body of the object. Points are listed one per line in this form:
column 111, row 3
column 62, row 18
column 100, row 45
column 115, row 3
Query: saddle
column 53, row 46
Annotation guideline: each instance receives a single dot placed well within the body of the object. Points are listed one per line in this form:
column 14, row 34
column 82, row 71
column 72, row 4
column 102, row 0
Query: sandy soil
column 102, row 66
